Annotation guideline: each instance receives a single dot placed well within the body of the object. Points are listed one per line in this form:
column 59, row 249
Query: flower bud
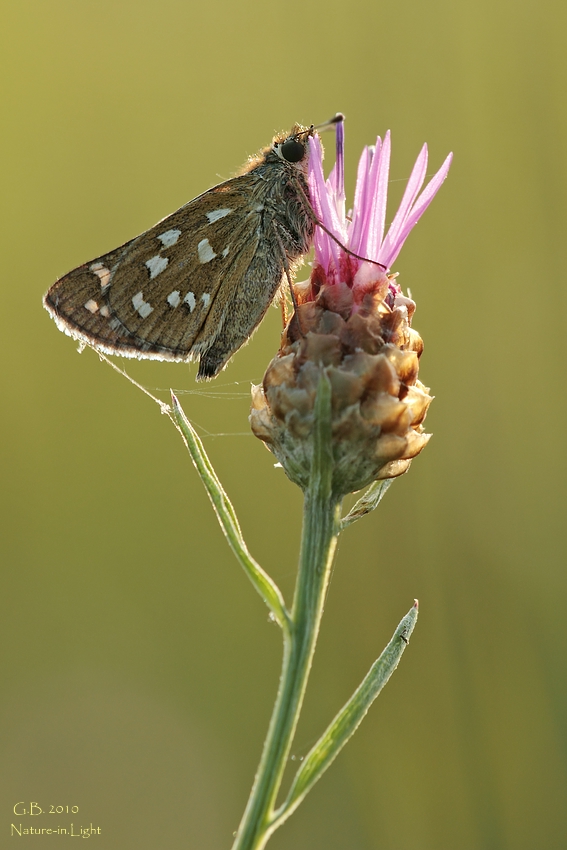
column 378, row 405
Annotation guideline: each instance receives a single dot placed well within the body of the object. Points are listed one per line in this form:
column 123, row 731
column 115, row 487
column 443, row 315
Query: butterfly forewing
column 198, row 283
column 151, row 297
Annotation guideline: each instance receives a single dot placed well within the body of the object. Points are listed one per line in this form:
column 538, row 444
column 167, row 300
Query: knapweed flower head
column 354, row 324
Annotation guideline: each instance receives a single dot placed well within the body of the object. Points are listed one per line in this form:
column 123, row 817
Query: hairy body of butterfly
column 197, row 284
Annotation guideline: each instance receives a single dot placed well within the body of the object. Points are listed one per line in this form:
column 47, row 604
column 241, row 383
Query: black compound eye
column 292, row 150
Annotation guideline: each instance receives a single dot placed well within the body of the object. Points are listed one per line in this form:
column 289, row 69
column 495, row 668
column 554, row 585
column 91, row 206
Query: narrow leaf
column 348, row 719
column 368, row 502
column 226, row 515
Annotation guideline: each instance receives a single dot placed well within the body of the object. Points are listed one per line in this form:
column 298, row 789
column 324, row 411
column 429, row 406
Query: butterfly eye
column 292, row 150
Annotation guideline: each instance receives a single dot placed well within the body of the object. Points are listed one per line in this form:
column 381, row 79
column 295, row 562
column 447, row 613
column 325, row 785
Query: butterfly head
column 293, row 147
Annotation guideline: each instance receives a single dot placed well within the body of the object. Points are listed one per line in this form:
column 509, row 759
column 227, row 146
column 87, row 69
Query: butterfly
column 197, row 284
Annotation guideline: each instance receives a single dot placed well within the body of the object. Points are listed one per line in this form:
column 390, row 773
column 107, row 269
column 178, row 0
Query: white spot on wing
column 190, row 300
column 143, row 308
column 102, row 273
column 206, row 299
column 206, row 253
column 91, row 306
column 174, row 298
column 216, row 214
column 156, row 265
column 104, row 311
column 226, row 250
column 169, row 238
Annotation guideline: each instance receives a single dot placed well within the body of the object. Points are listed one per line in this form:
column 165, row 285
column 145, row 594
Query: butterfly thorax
column 281, row 193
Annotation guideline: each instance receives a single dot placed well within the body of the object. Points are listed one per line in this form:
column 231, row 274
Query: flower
column 363, row 234
column 354, row 324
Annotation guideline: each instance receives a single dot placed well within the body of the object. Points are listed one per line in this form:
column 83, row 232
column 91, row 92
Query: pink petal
column 338, row 201
column 331, row 182
column 360, row 194
column 317, row 194
column 324, row 209
column 340, row 167
column 374, row 210
column 415, row 183
column 421, row 205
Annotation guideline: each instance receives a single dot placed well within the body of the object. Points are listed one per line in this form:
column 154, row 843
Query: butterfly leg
column 283, row 307
column 288, row 276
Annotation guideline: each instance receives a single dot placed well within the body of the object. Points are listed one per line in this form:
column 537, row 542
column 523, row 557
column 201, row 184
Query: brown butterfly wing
column 151, row 297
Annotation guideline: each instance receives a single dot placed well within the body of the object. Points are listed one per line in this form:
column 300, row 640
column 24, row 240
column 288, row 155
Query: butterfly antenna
column 338, row 118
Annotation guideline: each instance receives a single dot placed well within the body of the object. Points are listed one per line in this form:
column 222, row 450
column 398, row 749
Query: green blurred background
column 139, row 667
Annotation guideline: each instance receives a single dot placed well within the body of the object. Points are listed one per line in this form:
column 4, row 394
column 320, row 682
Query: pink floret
column 363, row 234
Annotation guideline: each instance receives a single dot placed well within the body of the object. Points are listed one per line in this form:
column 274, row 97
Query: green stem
column 321, row 520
